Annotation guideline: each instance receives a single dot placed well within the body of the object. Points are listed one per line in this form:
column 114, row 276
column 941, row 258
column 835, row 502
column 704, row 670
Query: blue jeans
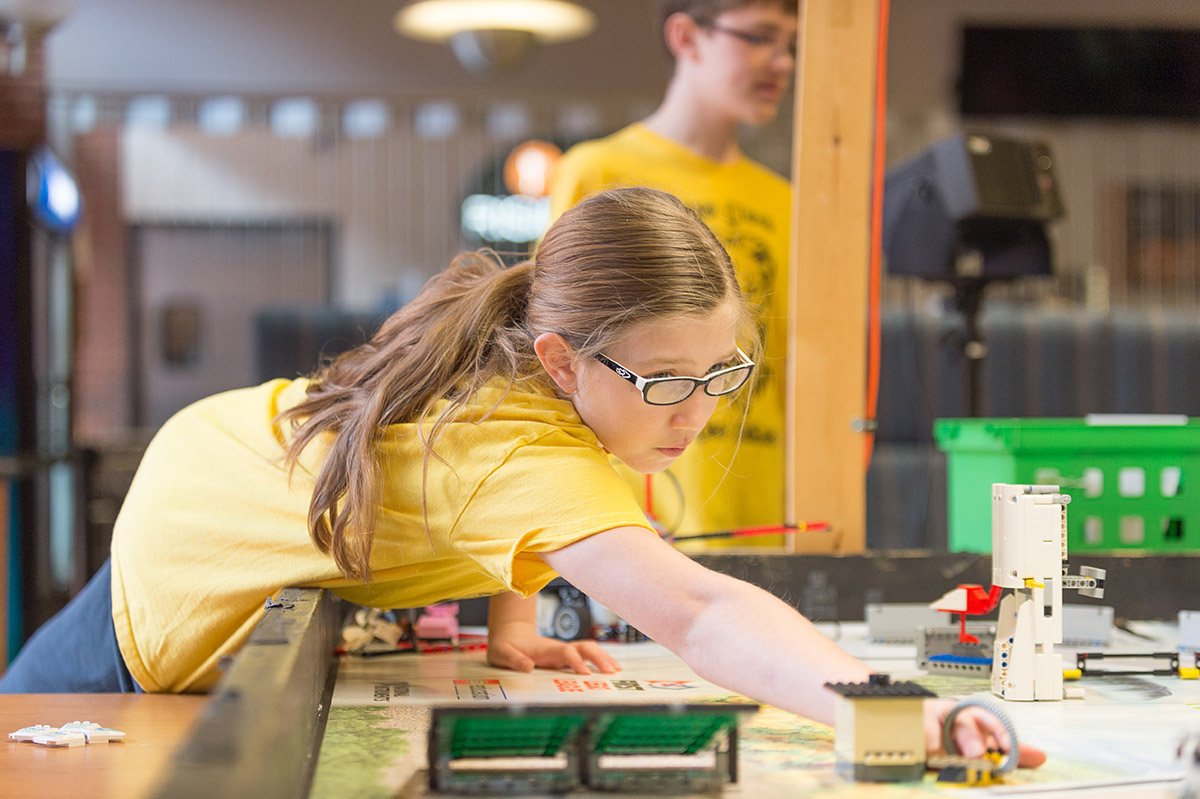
column 76, row 651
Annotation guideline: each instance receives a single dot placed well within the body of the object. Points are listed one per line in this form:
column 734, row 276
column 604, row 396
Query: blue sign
column 52, row 192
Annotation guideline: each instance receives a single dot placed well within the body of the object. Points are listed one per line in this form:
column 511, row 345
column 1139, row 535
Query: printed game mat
column 1119, row 741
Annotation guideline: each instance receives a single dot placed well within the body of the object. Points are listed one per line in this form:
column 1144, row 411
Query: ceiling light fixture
column 494, row 35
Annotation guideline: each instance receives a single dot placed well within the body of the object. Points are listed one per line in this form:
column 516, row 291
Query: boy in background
column 734, row 61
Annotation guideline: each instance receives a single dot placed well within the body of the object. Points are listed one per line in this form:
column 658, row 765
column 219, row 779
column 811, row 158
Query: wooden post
column 829, row 257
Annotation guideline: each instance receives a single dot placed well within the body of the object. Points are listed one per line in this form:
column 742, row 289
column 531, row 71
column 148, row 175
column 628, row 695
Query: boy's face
column 745, row 59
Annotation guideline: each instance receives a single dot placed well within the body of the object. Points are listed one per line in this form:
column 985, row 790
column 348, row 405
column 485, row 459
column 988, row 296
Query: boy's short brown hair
column 709, row 10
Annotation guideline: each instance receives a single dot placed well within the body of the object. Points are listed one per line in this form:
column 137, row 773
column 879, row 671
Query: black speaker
column 971, row 193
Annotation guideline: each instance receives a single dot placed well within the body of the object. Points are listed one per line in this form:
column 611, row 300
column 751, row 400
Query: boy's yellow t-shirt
column 724, row 483
column 213, row 525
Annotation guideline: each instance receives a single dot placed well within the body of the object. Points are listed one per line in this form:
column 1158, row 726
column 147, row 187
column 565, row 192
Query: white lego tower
column 1029, row 555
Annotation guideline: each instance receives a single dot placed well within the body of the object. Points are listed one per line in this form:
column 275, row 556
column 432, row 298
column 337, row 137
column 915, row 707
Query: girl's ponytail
column 465, row 327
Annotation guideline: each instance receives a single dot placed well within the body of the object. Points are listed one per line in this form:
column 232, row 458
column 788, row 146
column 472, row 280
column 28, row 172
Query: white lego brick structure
column 1029, row 554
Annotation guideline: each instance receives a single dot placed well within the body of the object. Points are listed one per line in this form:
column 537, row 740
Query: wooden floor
column 153, row 724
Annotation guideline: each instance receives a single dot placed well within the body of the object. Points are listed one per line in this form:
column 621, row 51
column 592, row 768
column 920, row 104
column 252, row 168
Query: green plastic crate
column 1133, row 486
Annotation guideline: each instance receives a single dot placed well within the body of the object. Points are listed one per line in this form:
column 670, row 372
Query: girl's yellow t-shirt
column 213, row 524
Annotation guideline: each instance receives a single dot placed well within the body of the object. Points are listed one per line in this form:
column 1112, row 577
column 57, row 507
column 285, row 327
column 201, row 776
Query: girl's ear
column 558, row 360
column 680, row 32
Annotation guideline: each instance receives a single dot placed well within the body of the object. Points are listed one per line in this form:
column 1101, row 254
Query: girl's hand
column 975, row 732
column 517, row 646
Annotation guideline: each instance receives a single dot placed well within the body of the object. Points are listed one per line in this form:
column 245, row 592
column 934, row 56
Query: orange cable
column 874, row 344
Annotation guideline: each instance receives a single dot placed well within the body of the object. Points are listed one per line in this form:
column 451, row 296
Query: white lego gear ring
column 1011, row 757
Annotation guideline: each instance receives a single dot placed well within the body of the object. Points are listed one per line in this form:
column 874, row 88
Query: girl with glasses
column 464, row 451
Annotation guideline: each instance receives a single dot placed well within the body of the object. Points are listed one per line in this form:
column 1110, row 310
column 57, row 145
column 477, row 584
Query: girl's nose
column 693, row 413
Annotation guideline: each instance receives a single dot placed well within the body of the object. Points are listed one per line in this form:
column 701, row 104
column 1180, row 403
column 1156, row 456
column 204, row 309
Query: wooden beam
column 261, row 730
column 829, row 256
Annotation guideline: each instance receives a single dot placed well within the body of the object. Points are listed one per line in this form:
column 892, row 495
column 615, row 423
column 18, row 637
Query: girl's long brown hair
column 615, row 259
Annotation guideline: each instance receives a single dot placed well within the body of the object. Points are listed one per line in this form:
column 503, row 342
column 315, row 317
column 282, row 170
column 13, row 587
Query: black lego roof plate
column 879, row 686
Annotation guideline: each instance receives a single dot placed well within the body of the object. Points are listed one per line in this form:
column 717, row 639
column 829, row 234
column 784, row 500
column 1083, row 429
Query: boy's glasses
column 672, row 390
column 757, row 40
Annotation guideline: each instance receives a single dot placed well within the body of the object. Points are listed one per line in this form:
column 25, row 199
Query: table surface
column 153, row 725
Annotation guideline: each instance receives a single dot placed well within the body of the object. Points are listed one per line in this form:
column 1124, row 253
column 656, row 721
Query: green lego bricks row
column 628, row 733
column 511, row 750
column 510, row 736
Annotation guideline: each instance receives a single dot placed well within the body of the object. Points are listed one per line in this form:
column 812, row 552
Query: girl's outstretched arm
column 730, row 632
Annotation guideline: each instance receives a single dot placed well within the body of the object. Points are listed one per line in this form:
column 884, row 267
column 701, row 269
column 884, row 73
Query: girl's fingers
column 1030, row 756
column 574, row 660
column 508, row 657
column 604, row 662
column 983, row 731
